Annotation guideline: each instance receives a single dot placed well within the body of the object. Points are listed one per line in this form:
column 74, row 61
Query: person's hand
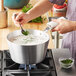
column 21, row 18
column 63, row 26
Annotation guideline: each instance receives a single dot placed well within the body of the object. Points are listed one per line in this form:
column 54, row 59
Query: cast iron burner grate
column 10, row 68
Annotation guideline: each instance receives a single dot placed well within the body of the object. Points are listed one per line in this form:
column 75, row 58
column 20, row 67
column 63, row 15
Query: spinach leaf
column 25, row 32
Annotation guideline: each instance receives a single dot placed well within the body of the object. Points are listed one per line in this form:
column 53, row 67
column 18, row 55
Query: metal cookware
column 27, row 54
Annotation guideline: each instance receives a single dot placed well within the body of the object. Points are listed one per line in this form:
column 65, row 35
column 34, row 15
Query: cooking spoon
column 22, row 30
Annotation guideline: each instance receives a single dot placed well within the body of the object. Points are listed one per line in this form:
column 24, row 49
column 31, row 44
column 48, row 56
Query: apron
column 69, row 39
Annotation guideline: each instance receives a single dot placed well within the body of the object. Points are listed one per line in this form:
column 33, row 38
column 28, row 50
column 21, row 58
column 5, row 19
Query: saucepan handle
column 52, row 24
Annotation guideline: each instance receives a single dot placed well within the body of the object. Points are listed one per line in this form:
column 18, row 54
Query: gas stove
column 10, row 68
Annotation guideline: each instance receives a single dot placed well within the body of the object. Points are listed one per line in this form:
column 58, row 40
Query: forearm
column 40, row 8
column 74, row 25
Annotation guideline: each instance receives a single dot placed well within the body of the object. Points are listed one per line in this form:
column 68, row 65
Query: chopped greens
column 26, row 8
column 25, row 32
column 36, row 20
column 67, row 61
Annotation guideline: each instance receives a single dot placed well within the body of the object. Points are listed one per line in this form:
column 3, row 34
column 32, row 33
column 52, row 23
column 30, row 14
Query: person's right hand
column 64, row 26
column 21, row 18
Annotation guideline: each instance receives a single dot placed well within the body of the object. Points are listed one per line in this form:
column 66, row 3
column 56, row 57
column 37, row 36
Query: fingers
column 19, row 16
column 22, row 22
column 61, row 27
column 53, row 30
column 13, row 16
column 57, row 20
column 57, row 28
column 17, row 23
column 14, row 19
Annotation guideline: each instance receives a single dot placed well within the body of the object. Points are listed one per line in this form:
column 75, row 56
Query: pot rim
column 28, row 45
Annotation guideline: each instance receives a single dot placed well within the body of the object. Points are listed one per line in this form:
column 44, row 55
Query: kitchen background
column 8, row 7
column 19, row 61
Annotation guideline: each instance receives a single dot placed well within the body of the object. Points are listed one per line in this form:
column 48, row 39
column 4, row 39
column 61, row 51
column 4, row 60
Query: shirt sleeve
column 59, row 2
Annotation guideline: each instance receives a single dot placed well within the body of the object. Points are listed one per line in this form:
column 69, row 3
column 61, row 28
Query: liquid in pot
column 29, row 39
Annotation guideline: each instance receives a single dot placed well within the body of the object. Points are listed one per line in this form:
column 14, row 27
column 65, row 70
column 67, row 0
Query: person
column 64, row 26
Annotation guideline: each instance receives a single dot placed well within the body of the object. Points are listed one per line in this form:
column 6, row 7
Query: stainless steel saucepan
column 27, row 54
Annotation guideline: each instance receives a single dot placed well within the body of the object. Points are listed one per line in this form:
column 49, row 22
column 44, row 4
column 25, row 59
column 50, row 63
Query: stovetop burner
column 10, row 68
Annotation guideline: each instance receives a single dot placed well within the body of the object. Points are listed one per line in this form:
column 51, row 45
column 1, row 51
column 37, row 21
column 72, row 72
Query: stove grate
column 10, row 68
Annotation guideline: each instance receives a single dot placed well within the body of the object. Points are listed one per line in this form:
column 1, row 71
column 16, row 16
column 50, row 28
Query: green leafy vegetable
column 25, row 32
column 36, row 20
column 26, row 8
column 67, row 61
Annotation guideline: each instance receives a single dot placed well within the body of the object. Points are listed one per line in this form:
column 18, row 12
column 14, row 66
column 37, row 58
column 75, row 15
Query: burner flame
column 24, row 66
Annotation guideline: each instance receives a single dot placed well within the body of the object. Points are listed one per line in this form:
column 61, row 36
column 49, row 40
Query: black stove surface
column 10, row 68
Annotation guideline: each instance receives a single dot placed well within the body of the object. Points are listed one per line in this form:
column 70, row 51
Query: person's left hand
column 63, row 26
